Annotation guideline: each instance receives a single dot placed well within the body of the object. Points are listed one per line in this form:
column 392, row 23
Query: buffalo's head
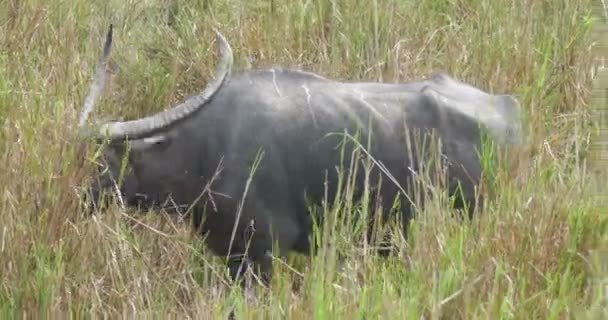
column 141, row 160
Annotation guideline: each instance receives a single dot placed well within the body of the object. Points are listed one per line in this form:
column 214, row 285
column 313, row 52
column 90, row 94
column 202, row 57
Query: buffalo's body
column 289, row 116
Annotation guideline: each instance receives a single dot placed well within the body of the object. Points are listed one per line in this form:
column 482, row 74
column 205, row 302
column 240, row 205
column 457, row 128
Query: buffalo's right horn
column 99, row 81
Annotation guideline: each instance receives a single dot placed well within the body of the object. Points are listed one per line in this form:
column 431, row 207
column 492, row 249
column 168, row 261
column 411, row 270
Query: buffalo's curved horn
column 99, row 82
column 139, row 128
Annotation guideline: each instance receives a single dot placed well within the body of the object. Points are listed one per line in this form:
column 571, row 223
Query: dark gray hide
column 288, row 115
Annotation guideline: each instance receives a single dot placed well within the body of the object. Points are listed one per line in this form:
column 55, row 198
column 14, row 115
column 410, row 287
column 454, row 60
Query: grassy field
column 540, row 250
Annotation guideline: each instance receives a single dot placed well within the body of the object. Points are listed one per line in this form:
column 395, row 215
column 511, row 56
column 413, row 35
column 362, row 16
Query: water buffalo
column 288, row 118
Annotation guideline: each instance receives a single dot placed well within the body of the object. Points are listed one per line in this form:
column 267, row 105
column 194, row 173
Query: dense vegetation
column 540, row 250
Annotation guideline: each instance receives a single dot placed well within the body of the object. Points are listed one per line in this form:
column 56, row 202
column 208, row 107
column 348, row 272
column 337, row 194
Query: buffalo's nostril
column 139, row 200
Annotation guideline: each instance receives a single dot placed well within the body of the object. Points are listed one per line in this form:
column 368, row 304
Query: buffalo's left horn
column 139, row 128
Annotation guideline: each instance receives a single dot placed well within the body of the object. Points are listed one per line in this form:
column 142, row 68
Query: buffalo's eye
column 158, row 141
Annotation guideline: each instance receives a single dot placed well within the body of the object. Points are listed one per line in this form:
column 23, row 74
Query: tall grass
column 540, row 249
